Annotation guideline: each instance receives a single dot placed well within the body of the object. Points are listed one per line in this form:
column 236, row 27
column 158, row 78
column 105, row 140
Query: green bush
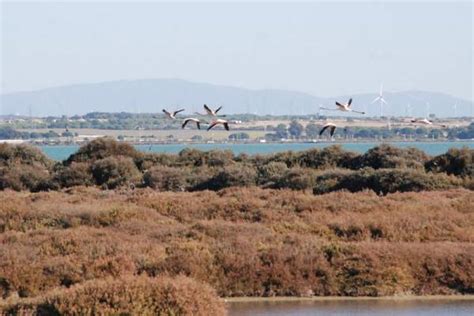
column 329, row 157
column 219, row 158
column 384, row 181
column 271, row 173
column 327, row 181
column 23, row 155
column 102, row 148
column 25, row 177
column 149, row 160
column 191, row 157
column 113, row 172
column 165, row 178
column 77, row 173
column 386, row 156
column 230, row 176
column 296, row 179
column 459, row 162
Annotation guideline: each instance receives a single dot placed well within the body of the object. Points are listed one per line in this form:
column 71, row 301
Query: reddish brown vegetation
column 126, row 296
column 241, row 241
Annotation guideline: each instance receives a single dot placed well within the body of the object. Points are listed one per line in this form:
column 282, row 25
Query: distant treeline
column 110, row 164
column 294, row 130
column 10, row 133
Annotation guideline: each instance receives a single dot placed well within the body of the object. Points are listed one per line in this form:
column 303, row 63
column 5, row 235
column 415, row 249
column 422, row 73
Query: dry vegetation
column 60, row 250
column 275, row 225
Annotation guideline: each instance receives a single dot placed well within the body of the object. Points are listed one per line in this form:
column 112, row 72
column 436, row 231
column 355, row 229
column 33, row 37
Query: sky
column 322, row 48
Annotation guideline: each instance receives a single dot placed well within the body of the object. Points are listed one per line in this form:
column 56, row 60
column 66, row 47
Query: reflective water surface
column 61, row 152
column 419, row 307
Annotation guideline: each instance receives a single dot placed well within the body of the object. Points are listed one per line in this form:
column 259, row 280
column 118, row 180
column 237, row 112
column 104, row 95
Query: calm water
column 417, row 307
column 432, row 148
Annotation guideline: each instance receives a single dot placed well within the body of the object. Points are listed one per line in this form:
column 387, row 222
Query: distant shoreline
column 255, row 142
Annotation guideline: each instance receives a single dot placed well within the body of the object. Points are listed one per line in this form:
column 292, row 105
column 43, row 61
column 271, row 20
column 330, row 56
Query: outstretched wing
column 218, row 109
column 176, row 112
column 333, row 129
column 198, row 125
column 184, row 123
column 208, row 110
column 349, row 103
column 226, row 125
column 211, row 126
column 338, row 104
column 323, row 129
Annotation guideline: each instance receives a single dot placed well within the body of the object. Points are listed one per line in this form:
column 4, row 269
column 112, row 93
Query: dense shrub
column 166, row 178
column 271, row 173
column 112, row 164
column 329, row 157
column 386, row 156
column 384, row 181
column 25, row 177
column 77, row 173
column 11, row 155
column 459, row 162
column 290, row 158
column 296, row 179
column 101, row 148
column 113, row 172
column 327, row 181
column 219, row 158
column 191, row 157
column 229, row 176
column 213, row 158
column 129, row 296
column 149, row 160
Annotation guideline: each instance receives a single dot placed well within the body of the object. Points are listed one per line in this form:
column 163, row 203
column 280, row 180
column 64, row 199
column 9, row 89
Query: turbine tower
column 408, row 110
column 380, row 99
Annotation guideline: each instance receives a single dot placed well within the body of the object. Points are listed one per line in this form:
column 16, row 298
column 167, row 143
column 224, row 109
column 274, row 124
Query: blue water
column 432, row 148
column 415, row 307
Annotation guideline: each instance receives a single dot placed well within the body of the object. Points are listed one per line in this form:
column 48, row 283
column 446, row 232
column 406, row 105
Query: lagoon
column 355, row 306
column 61, row 152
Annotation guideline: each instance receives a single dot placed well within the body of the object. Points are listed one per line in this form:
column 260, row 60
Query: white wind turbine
column 408, row 110
column 380, row 99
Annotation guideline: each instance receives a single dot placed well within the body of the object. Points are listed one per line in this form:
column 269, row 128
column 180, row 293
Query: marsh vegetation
column 113, row 230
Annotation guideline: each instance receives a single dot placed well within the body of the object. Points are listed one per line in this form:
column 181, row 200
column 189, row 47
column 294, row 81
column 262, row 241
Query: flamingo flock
column 346, row 107
column 217, row 119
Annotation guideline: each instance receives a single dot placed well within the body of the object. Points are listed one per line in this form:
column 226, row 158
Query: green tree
column 239, row 136
column 312, row 130
column 295, row 129
column 281, row 131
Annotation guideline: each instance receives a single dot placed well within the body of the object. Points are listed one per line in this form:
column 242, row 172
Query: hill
column 151, row 95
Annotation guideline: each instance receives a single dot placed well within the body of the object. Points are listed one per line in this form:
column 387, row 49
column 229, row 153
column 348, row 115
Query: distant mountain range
column 152, row 95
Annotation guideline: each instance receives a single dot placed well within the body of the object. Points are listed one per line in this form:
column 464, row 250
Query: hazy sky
column 325, row 49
